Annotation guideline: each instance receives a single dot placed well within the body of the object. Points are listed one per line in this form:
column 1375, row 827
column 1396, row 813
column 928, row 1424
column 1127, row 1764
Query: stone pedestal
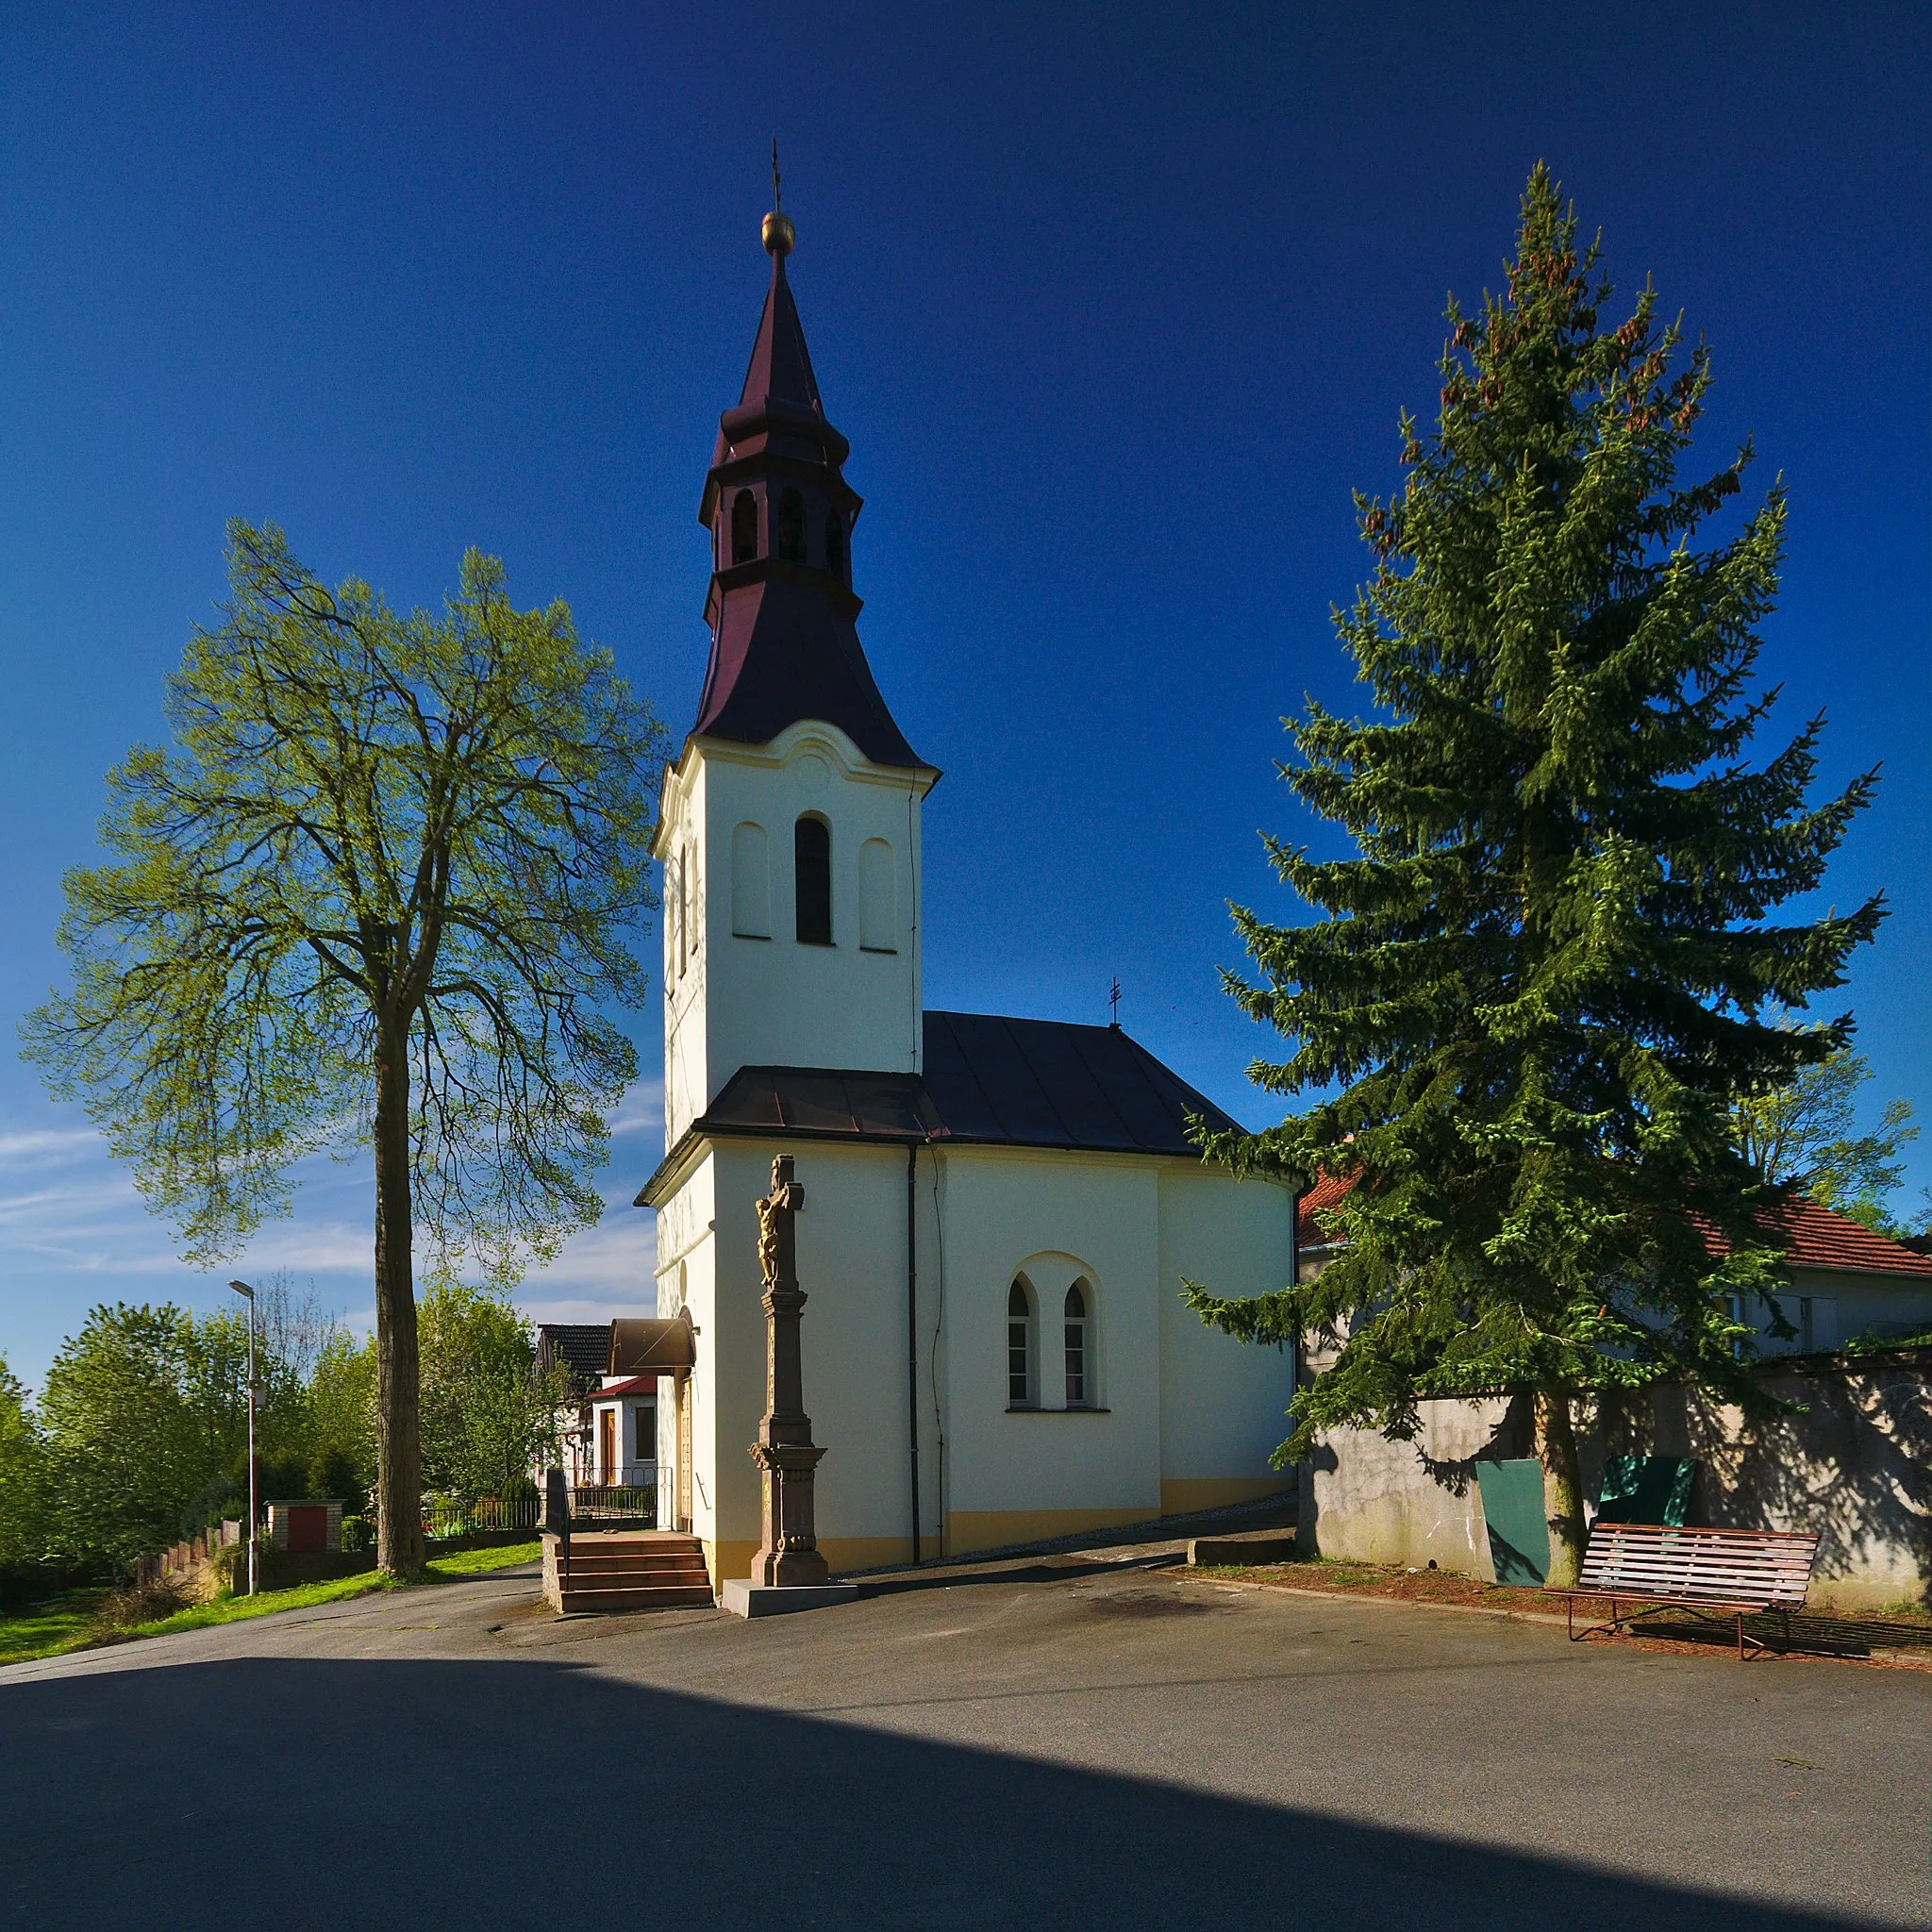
column 787, row 1556
column 747, row 1599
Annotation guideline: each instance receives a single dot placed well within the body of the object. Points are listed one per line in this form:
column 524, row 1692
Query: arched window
column 1018, row 1347
column 835, row 545
column 1076, row 1347
column 750, row 916
column 878, row 914
column 811, row 847
column 744, row 527
column 792, row 527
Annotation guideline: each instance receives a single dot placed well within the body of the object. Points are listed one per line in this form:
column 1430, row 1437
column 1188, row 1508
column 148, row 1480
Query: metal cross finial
column 1113, row 1000
column 777, row 201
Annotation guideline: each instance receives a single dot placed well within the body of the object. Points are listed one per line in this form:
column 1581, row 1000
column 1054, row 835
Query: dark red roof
column 988, row 1081
column 784, row 633
column 780, row 367
column 783, row 651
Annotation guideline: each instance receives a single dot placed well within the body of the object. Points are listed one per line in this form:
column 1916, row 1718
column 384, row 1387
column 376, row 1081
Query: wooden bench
column 1714, row 1573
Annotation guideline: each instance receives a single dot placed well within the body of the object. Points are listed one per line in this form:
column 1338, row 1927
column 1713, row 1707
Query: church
column 999, row 1212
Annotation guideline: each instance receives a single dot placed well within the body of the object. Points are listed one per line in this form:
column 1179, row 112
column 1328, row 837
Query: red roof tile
column 1818, row 1237
column 1327, row 1191
column 1814, row 1236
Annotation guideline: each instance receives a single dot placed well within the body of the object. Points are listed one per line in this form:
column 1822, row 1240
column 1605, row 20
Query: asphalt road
column 1059, row 1743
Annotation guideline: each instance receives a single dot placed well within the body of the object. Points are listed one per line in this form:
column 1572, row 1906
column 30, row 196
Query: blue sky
column 1116, row 304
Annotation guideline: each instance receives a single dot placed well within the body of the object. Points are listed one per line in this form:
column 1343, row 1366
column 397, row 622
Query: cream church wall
column 1224, row 1404
column 1180, row 1419
column 851, row 1264
column 1014, row 1475
column 766, row 1000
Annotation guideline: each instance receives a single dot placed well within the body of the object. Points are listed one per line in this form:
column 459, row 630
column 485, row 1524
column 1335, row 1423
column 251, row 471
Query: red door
column 308, row 1527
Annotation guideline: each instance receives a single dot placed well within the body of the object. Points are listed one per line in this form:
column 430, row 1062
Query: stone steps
column 648, row 1571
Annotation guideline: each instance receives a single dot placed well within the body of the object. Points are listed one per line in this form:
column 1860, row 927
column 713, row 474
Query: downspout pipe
column 912, row 1329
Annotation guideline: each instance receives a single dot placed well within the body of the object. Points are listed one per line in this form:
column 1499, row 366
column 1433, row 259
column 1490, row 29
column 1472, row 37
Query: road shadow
column 1040, row 1570
column 313, row 1793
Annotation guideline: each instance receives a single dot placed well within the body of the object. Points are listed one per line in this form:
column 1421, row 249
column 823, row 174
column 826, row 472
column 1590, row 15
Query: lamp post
column 243, row 1289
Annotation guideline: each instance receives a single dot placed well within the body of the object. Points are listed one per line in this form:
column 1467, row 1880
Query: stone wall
column 1852, row 1463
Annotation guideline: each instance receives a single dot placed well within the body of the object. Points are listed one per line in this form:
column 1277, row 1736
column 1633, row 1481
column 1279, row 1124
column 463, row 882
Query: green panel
column 1646, row 1488
column 1519, row 1525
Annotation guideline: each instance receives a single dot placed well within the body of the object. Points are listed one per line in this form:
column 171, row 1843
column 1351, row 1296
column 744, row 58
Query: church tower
column 790, row 828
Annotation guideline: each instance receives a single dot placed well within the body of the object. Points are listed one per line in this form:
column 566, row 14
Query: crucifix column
column 789, row 1554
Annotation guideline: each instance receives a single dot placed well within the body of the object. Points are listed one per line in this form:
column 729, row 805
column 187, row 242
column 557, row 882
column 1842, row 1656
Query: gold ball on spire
column 779, row 233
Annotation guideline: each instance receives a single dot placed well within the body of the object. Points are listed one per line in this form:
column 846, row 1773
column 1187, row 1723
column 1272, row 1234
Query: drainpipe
column 913, row 1330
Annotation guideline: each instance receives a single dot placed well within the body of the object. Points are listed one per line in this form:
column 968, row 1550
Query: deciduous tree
column 378, row 895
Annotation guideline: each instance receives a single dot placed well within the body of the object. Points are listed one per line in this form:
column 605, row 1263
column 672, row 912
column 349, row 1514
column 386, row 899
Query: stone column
column 787, row 1555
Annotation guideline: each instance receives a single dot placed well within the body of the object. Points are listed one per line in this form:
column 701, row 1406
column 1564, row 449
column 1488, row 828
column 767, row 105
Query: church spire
column 781, row 608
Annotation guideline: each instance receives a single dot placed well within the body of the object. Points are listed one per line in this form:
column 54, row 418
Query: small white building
column 999, row 1214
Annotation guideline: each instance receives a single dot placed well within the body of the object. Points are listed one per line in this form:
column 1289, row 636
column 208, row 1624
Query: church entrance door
column 683, row 1386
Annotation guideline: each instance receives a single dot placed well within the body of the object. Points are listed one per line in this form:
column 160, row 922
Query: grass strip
column 67, row 1623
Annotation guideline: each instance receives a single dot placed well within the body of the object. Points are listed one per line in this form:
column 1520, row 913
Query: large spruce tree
column 1533, row 996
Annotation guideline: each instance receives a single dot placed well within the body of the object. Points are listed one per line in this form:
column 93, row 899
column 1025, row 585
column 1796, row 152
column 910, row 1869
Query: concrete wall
column 1852, row 1466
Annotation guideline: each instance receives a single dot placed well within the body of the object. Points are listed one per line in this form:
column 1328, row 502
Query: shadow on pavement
column 308, row 1792
column 1038, row 1570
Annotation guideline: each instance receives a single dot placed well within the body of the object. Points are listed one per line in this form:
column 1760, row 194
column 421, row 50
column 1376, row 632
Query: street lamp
column 243, row 1289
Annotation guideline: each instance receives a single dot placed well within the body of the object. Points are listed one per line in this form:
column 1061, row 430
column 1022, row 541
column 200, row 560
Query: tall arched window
column 835, row 545
column 811, row 846
column 792, row 527
column 1018, row 1347
column 744, row 527
column 1076, row 1347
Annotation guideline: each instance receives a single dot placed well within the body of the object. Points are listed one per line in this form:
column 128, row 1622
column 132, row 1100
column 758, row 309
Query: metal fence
column 445, row 1518
column 632, row 1502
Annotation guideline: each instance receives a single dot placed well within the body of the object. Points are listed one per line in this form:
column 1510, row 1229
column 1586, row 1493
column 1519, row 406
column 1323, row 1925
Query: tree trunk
column 1562, row 1486
column 398, row 1378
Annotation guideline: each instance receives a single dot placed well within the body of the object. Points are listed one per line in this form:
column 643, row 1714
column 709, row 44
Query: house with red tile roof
column 1846, row 1281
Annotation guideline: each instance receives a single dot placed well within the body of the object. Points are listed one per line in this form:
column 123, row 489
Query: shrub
column 138, row 1603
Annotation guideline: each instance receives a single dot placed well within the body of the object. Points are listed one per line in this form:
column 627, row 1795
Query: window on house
column 792, row 526
column 1076, row 1347
column 835, row 545
column 878, row 912
column 811, row 843
column 744, row 527
column 644, row 1442
column 1018, row 1347
column 750, row 916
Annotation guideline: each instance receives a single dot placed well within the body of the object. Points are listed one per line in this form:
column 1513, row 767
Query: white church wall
column 1224, row 1403
column 683, row 857
column 772, row 1000
column 851, row 1239
column 1011, row 1476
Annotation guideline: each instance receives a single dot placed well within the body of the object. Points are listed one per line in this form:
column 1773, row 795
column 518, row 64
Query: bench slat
column 1752, row 1569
